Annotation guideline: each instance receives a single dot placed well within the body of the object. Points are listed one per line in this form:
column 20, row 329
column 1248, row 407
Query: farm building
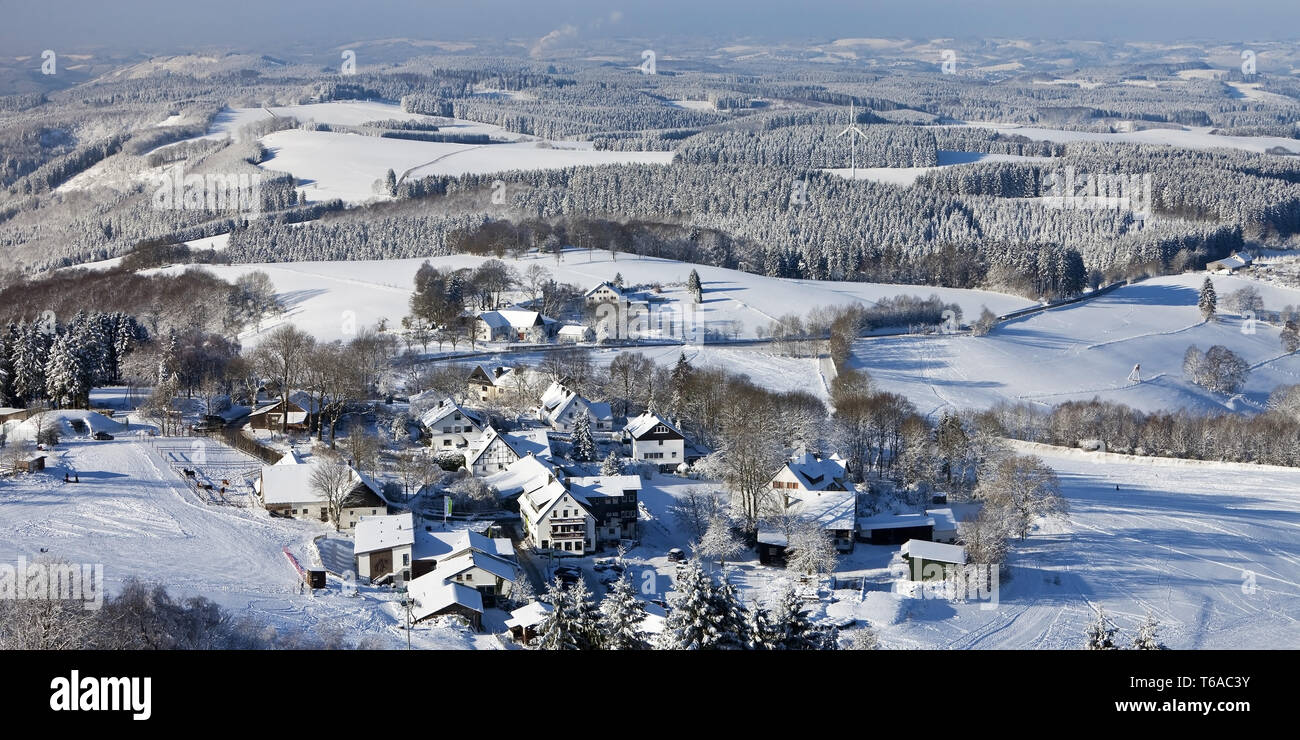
column 833, row 511
column 575, row 333
column 30, row 464
column 926, row 560
column 288, row 490
column 1231, row 264
column 434, row 597
column 275, row 416
column 514, row 325
column 524, row 621
column 895, row 529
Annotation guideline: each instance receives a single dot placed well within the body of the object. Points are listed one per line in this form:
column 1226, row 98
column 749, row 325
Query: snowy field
column 345, row 113
column 1212, row 549
column 132, row 513
column 1088, row 349
column 1190, row 137
column 318, row 294
column 337, row 165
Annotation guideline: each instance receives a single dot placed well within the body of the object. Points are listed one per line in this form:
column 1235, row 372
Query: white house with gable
column 555, row 519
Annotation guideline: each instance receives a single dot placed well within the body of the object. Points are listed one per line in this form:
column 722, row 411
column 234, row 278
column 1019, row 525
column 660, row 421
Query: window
column 406, row 558
column 469, row 576
column 446, row 443
column 446, row 430
column 661, row 443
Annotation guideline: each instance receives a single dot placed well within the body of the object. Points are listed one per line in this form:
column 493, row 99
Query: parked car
column 676, row 555
column 102, row 435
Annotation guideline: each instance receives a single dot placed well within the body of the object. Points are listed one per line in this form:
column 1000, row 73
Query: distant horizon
column 155, row 27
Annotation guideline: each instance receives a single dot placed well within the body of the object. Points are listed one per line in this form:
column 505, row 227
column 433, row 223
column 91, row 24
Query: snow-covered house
column 433, row 597
column 451, row 426
column 525, row 620
column 1230, row 264
column 528, row 473
column 495, row 451
column 515, row 325
column 612, row 502
column 287, row 489
column 656, row 441
column 393, row 544
column 808, row 472
column 561, row 408
column 575, row 333
column 555, row 519
column 605, row 293
column 272, row 416
column 895, row 529
column 487, row 383
column 490, row 575
column 926, row 560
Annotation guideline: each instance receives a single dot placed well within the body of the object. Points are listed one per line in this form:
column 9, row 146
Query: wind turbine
column 853, row 140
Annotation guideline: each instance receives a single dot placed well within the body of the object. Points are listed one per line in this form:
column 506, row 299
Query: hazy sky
column 172, row 25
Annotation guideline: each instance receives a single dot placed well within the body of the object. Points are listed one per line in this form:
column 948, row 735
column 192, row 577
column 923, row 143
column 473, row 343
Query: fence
column 249, row 446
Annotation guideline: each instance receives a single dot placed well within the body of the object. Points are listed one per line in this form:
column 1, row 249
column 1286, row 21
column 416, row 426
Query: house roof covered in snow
column 383, row 532
column 529, row 615
column 1235, row 261
column 525, row 474
column 438, row 545
column 445, row 408
column 524, row 442
column 817, row 474
column 491, row 374
column 604, row 485
column 612, row 288
column 453, row 566
column 292, row 484
column 895, row 521
column 432, row 595
column 934, row 551
column 646, row 423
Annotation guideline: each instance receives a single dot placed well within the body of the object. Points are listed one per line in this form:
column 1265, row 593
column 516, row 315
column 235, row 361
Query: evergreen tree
column 679, row 376
column 1100, row 633
column 1290, row 336
column 390, row 182
column 1208, row 302
column 1148, row 635
column 729, row 615
column 561, row 629
column 67, row 373
column 613, row 464
column 759, row 630
column 694, row 287
column 621, row 614
column 31, row 348
column 690, row 624
column 584, row 445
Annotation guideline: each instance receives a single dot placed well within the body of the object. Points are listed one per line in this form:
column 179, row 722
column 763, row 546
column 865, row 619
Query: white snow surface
column 318, row 293
column 1088, row 349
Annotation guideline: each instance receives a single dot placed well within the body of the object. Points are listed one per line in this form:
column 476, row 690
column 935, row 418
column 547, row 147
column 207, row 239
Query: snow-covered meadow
column 1088, row 349
column 318, row 295
column 134, row 514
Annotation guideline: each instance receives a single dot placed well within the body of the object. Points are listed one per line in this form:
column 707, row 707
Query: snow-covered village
column 600, row 335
